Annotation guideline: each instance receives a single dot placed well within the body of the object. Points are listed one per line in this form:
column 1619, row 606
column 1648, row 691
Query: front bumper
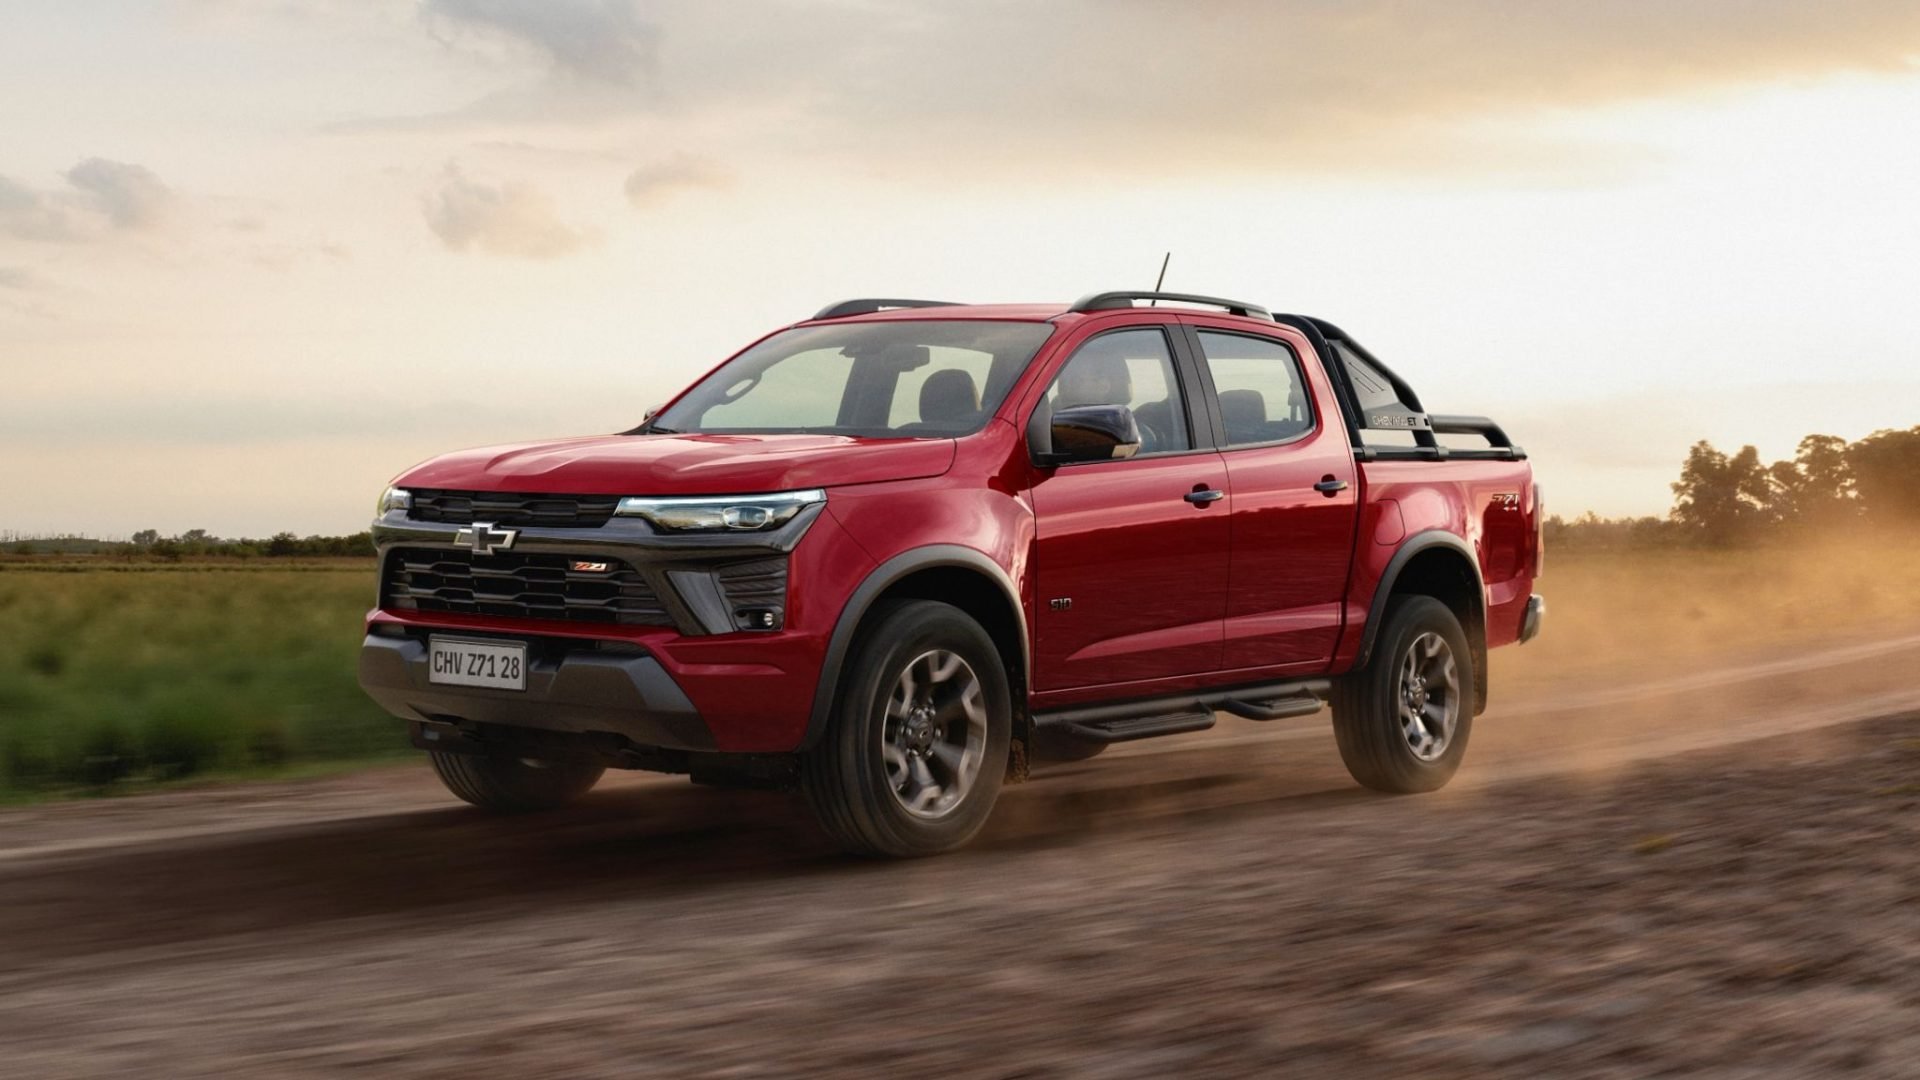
column 580, row 690
column 699, row 683
column 1536, row 613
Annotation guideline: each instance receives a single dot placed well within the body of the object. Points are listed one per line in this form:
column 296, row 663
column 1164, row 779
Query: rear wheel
column 1402, row 721
column 514, row 785
column 917, row 748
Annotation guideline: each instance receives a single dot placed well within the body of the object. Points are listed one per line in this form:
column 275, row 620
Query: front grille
column 505, row 508
column 761, row 583
column 520, row 586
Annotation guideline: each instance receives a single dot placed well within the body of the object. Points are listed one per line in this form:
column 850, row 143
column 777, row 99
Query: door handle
column 1330, row 486
column 1202, row 495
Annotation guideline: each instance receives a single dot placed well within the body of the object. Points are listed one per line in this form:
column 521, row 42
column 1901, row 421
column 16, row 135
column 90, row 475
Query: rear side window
column 1132, row 368
column 1263, row 398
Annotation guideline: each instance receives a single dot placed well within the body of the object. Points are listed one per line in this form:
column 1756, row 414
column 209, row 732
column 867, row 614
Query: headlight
column 722, row 513
column 393, row 499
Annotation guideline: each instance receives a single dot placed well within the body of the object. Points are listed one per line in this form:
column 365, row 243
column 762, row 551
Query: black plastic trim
column 1440, row 453
column 1203, row 418
column 1482, row 426
column 1203, row 388
column 883, row 577
column 583, row 690
column 1335, row 371
column 869, row 305
column 1239, row 700
column 1123, row 299
column 1128, row 728
column 629, row 539
column 1414, row 545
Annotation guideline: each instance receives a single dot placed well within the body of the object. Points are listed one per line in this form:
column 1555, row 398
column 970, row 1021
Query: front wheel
column 1402, row 721
column 514, row 785
column 913, row 759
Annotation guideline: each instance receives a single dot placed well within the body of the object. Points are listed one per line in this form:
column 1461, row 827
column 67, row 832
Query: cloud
column 995, row 88
column 101, row 197
column 598, row 40
column 26, row 214
column 506, row 219
column 17, row 277
column 654, row 183
column 129, row 195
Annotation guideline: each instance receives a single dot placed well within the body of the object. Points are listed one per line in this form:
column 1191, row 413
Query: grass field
column 118, row 676
column 115, row 677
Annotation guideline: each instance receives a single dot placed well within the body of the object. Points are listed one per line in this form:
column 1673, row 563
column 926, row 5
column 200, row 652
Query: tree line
column 196, row 543
column 1829, row 486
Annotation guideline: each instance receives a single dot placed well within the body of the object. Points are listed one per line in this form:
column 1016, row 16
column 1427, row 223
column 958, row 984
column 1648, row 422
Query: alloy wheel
column 935, row 734
column 1428, row 696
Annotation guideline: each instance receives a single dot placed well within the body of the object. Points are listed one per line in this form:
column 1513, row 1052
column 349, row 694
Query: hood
column 683, row 464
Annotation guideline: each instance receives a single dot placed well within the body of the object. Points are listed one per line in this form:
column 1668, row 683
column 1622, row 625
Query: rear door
column 1130, row 557
column 1295, row 496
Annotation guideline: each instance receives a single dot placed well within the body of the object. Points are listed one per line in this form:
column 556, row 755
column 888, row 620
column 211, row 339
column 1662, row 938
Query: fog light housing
column 758, row 618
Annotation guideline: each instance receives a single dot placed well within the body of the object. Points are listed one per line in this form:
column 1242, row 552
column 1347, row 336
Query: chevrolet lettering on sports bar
column 893, row 554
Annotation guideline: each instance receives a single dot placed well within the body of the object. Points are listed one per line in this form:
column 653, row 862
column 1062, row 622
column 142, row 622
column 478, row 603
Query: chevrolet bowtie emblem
column 484, row 539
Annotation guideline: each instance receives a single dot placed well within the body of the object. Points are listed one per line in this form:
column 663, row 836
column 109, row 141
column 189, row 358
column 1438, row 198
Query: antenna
column 1162, row 279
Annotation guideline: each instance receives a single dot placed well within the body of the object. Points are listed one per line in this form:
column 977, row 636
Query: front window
column 1131, row 368
column 900, row 379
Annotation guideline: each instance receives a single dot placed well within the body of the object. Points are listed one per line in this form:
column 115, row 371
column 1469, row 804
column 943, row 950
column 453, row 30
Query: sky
column 259, row 256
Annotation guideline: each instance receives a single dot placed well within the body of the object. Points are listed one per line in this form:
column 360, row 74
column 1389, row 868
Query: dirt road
column 1716, row 872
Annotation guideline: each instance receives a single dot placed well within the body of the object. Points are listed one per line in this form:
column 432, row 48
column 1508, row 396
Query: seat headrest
column 1245, row 414
column 949, row 397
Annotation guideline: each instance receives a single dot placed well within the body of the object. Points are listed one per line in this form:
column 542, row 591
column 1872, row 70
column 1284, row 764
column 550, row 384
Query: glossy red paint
column 1130, row 578
column 683, row 464
column 1274, row 580
column 1292, row 544
column 1403, row 499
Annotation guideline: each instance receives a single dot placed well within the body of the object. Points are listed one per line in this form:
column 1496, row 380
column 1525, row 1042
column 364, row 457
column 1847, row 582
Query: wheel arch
column 962, row 576
column 1439, row 564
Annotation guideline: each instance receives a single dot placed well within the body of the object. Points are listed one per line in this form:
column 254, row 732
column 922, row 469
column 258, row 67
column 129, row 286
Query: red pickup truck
column 892, row 554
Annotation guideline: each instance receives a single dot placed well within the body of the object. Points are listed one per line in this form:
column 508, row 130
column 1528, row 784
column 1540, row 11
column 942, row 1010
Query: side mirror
column 1087, row 433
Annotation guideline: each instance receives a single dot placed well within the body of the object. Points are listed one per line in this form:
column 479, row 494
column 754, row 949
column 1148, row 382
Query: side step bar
column 1128, row 728
column 1278, row 708
column 1173, row 715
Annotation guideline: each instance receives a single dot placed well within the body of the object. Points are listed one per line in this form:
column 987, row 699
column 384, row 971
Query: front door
column 1130, row 556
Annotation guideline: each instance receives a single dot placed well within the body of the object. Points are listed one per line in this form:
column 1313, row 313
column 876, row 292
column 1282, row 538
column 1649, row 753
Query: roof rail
column 1108, row 301
column 870, row 305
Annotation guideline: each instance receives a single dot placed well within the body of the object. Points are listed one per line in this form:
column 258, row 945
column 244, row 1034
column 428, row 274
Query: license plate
column 495, row 665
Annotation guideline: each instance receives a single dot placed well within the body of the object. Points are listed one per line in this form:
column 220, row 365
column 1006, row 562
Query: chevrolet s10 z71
column 891, row 555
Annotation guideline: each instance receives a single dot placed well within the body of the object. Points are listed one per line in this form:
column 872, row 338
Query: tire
column 1379, row 742
column 1058, row 747
column 917, row 746
column 512, row 786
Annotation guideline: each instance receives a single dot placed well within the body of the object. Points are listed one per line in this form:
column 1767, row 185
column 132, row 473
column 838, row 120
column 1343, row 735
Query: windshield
column 904, row 379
